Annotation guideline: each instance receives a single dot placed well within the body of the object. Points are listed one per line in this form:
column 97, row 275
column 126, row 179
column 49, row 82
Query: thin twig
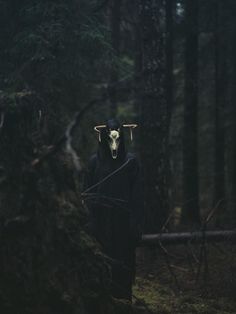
column 99, row 195
column 189, row 260
column 167, row 220
column 165, row 253
column 203, row 251
column 192, row 253
column 212, row 212
column 118, row 206
column 107, row 177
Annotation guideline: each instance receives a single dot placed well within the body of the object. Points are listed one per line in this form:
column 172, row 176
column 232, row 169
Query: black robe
column 115, row 202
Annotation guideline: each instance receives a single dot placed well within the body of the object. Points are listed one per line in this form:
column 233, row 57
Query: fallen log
column 188, row 237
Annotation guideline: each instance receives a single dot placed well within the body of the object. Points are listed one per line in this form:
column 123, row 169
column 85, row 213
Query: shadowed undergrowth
column 155, row 285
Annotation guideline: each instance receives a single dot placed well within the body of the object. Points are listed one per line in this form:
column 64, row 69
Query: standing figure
column 114, row 198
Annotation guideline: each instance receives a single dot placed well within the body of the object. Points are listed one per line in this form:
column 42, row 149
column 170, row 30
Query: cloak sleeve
column 137, row 203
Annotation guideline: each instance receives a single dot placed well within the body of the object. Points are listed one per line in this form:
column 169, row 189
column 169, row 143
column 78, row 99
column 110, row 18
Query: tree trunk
column 169, row 56
column 154, row 122
column 188, row 237
column 190, row 213
column 233, row 104
column 115, row 38
column 220, row 96
column 138, row 61
column 169, row 51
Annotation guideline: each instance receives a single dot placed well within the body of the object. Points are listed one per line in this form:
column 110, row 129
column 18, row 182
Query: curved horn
column 40, row 115
column 98, row 127
column 130, row 126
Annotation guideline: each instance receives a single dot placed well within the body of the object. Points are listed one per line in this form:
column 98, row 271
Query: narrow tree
column 220, row 96
column 169, row 55
column 154, row 115
column 233, row 104
column 190, row 211
column 138, row 58
column 115, row 38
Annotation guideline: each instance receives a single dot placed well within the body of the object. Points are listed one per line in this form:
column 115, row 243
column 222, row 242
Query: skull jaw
column 113, row 142
column 114, row 153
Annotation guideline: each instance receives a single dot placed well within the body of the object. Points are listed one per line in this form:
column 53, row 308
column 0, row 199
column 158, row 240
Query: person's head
column 111, row 137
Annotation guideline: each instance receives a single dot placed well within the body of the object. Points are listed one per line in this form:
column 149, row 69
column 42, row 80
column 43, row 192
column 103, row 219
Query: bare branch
column 212, row 212
column 107, row 177
column 169, row 266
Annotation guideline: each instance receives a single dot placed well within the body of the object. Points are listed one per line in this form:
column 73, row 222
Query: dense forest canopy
column 66, row 66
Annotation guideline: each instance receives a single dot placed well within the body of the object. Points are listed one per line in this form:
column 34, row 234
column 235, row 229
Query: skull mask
column 111, row 137
column 114, row 142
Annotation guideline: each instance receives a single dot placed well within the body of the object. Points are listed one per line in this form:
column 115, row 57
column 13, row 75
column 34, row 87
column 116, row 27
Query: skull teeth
column 114, row 154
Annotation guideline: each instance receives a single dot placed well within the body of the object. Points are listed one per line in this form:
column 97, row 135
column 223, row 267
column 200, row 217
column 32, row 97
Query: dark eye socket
column 110, row 139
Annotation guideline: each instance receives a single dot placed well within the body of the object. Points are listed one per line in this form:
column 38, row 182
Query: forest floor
column 173, row 289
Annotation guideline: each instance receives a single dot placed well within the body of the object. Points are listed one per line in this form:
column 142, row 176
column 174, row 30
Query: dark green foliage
column 58, row 41
column 51, row 53
column 55, row 49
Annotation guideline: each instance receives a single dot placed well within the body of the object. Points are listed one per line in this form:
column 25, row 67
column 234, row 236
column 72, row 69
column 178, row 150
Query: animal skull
column 114, row 141
column 114, row 136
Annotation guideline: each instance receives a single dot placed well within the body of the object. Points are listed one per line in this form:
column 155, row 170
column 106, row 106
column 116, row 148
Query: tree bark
column 138, row 61
column 190, row 212
column 220, row 96
column 154, row 122
column 169, row 56
column 115, row 38
column 233, row 104
column 188, row 237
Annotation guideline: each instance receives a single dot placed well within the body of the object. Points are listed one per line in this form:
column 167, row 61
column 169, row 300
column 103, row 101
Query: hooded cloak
column 115, row 202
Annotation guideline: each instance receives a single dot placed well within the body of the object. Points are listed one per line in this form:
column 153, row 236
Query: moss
column 162, row 300
column 157, row 297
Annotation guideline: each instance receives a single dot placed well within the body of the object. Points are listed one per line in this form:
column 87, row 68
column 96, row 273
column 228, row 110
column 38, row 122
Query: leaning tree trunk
column 190, row 212
column 154, row 116
column 197, row 237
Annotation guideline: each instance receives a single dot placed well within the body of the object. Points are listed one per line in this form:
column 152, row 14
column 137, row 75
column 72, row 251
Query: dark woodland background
column 169, row 66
